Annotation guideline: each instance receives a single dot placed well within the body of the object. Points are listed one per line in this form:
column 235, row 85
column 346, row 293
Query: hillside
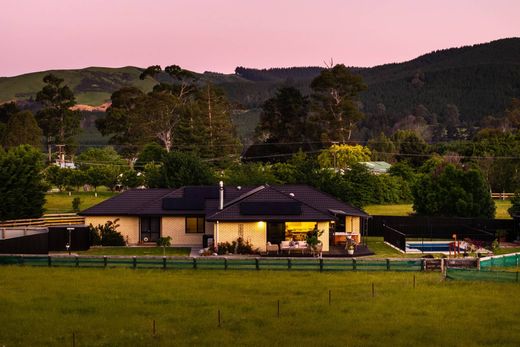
column 92, row 86
column 480, row 80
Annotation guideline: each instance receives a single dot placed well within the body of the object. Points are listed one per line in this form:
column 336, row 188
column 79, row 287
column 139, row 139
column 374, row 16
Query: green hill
column 480, row 80
column 92, row 86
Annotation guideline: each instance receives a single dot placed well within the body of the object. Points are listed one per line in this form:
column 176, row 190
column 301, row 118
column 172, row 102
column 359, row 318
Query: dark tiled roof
column 129, row 202
column 320, row 200
column 269, row 194
column 315, row 205
column 149, row 202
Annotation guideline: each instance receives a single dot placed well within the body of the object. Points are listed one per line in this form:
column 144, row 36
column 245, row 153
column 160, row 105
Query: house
column 192, row 215
column 377, row 167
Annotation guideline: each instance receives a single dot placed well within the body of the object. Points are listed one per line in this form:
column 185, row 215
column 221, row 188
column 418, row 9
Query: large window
column 194, row 225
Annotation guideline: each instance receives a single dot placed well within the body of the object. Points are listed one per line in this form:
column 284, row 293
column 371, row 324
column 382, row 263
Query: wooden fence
column 46, row 220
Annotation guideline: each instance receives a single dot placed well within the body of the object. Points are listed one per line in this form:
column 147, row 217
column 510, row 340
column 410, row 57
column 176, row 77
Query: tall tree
column 58, row 122
column 22, row 192
column 22, row 128
column 121, row 121
column 334, row 95
column 284, row 117
column 180, row 169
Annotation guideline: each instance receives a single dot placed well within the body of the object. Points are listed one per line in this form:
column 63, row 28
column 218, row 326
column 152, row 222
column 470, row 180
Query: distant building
column 377, row 167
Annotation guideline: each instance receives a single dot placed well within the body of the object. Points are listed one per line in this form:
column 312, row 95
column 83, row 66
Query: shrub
column 107, row 235
column 76, row 203
column 236, row 247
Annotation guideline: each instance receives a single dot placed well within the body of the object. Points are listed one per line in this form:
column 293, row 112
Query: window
column 194, row 225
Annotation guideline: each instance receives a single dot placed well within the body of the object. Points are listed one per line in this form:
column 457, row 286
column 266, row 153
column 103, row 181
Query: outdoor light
column 70, row 239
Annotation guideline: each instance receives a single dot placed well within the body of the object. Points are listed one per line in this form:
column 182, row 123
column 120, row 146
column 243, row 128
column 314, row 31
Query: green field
column 62, row 202
column 117, row 307
column 406, row 209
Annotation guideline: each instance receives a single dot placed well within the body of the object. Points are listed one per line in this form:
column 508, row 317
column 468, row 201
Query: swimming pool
column 430, row 247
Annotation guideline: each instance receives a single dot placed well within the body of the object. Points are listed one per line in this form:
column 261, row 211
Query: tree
column 181, row 116
column 151, row 153
column 121, row 121
column 449, row 190
column 182, row 169
column 514, row 210
column 56, row 119
column 334, row 96
column 95, row 157
column 284, row 117
column 22, row 192
column 382, row 148
column 22, row 128
column 250, row 174
column 412, row 148
column 343, row 156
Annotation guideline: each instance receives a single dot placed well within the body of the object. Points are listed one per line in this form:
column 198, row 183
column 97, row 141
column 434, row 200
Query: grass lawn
column 506, row 250
column 406, row 209
column 62, row 202
column 382, row 250
column 137, row 251
column 116, row 307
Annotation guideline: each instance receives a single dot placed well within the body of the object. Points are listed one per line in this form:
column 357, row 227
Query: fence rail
column 502, row 196
column 220, row 263
column 46, row 220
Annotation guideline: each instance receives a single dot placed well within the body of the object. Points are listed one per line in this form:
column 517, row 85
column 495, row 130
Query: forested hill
column 479, row 80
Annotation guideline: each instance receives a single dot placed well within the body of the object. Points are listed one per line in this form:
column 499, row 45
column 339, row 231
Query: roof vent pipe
column 221, row 196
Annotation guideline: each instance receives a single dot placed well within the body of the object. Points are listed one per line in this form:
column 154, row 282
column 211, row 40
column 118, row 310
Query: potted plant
column 351, row 248
column 313, row 240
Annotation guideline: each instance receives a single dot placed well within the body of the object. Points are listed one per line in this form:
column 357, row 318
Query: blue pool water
column 429, row 246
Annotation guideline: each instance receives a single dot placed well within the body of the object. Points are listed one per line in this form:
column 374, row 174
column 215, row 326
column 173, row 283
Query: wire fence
column 500, row 261
column 482, row 275
column 172, row 263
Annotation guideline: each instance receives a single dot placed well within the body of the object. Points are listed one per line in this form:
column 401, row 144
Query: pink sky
column 218, row 35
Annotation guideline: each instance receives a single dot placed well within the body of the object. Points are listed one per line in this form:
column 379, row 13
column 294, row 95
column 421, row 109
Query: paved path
column 195, row 251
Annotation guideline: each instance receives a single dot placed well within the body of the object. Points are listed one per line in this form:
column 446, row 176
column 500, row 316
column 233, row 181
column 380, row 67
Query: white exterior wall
column 128, row 226
column 175, row 227
column 254, row 232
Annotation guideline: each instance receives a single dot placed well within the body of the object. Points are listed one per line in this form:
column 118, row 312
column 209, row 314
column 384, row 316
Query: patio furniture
column 272, row 248
column 293, row 246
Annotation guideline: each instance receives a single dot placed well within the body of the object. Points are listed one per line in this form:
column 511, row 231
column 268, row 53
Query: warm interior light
column 260, row 224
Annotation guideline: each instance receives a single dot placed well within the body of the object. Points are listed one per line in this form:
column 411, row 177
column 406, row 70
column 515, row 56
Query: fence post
column 77, row 261
column 354, row 264
column 164, row 263
column 134, row 262
column 105, row 261
column 257, row 263
column 49, row 261
column 387, row 264
column 423, row 265
column 289, row 264
column 225, row 264
column 21, row 260
column 321, row 264
column 195, row 263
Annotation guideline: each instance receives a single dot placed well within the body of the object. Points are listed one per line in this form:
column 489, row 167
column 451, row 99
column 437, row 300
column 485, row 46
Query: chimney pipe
column 221, row 202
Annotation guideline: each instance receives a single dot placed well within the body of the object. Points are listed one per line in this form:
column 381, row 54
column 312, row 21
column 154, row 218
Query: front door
column 150, row 229
column 275, row 232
